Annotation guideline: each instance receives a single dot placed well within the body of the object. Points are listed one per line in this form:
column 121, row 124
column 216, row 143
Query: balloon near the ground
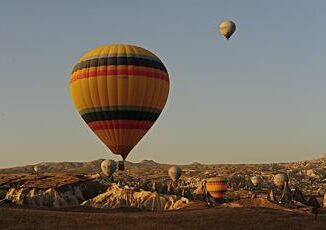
column 174, row 173
column 216, row 187
column 108, row 167
column 279, row 179
column 255, row 180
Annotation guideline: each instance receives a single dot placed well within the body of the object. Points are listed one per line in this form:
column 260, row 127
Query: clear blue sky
column 260, row 97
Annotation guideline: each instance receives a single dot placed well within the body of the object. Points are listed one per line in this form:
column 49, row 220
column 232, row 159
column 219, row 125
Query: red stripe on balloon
column 134, row 71
column 119, row 124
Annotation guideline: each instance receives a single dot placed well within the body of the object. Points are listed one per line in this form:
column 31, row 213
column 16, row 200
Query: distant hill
column 58, row 167
column 77, row 167
column 150, row 168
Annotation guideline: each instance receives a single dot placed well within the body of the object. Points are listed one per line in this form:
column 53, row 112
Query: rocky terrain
column 81, row 187
column 309, row 176
column 54, row 190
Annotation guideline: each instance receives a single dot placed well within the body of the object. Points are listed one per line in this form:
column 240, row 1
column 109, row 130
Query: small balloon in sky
column 227, row 28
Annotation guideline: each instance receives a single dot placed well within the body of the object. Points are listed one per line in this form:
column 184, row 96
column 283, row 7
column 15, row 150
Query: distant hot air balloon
column 280, row 179
column 227, row 28
column 216, row 186
column 175, row 173
column 255, row 180
column 108, row 167
column 120, row 91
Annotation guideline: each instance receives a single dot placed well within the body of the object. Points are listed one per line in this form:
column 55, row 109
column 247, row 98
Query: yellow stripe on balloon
column 104, row 91
column 118, row 50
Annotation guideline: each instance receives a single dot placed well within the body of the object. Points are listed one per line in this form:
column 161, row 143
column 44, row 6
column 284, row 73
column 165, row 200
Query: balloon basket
column 121, row 165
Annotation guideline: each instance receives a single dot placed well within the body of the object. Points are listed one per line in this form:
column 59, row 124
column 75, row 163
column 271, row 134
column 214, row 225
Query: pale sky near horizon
column 259, row 97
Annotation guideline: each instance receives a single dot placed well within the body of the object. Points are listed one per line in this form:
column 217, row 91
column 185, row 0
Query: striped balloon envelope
column 119, row 91
column 216, row 186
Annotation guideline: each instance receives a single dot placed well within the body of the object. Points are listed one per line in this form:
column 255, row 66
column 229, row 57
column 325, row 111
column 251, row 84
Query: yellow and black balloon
column 120, row 91
column 216, row 186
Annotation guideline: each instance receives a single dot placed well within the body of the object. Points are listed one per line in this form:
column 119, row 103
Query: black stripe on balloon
column 106, row 61
column 120, row 115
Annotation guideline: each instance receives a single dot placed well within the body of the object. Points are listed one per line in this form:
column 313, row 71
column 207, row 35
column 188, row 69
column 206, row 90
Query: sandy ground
column 214, row 218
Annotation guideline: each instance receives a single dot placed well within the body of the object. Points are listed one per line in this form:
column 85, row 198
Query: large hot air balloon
column 108, row 167
column 120, row 91
column 227, row 28
column 175, row 173
column 216, row 186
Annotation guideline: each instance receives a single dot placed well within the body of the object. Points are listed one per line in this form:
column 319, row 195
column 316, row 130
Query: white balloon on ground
column 279, row 179
column 175, row 173
column 256, row 180
column 108, row 167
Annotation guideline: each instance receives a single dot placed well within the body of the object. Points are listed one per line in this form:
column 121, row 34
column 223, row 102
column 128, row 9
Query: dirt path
column 216, row 218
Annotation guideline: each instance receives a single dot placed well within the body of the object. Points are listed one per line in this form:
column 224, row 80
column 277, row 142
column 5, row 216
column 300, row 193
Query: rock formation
column 116, row 197
column 45, row 198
